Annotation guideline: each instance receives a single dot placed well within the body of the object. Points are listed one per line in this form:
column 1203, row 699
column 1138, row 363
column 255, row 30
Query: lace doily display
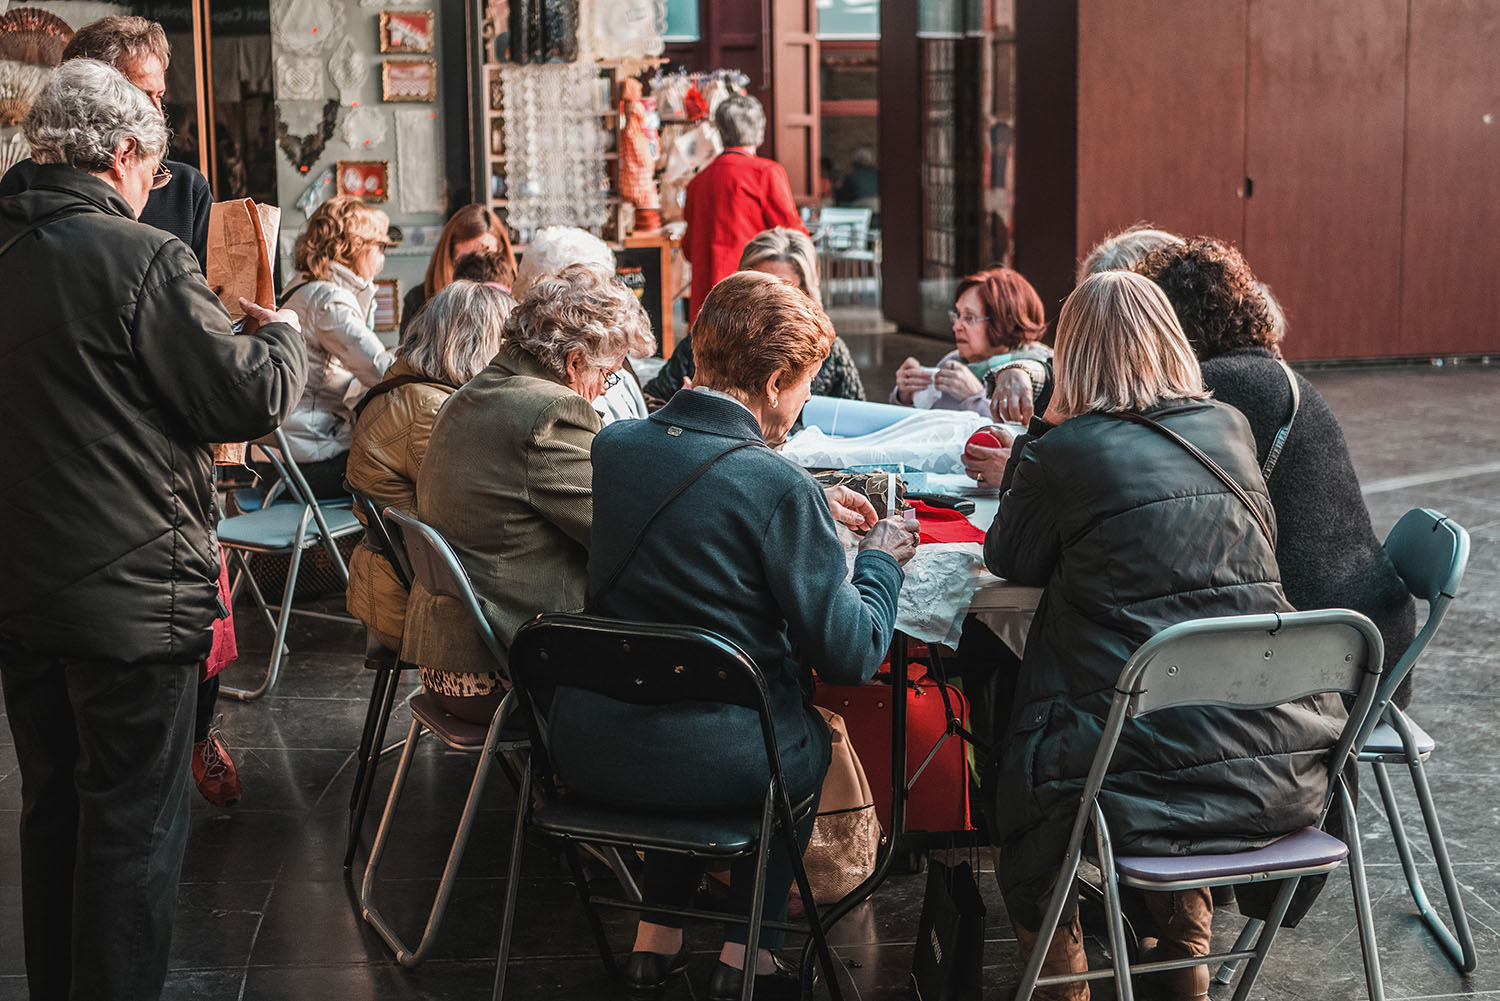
column 306, row 26
column 622, row 29
column 554, row 146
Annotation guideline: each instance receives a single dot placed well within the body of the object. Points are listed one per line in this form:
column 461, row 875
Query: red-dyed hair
column 1012, row 305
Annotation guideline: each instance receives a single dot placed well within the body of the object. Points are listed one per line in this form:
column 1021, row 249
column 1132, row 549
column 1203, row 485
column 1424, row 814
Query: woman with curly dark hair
column 1326, row 546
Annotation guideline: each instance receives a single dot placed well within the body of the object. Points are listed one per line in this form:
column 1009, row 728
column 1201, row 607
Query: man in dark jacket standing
column 121, row 367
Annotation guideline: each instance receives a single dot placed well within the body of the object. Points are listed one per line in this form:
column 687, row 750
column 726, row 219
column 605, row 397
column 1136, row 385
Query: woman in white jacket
column 337, row 258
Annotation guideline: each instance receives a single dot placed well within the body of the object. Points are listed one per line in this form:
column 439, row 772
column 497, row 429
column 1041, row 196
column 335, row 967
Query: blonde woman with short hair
column 337, row 257
column 1129, row 533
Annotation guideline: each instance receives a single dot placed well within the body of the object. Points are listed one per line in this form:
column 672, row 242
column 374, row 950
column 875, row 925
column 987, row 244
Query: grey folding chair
column 1243, row 662
column 288, row 529
column 1430, row 552
column 434, row 565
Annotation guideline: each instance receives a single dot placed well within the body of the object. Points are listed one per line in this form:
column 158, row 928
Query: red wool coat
column 732, row 199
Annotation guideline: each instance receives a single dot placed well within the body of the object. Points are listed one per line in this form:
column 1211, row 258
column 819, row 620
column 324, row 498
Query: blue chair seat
column 714, row 836
column 1307, row 850
column 275, row 527
column 1385, row 743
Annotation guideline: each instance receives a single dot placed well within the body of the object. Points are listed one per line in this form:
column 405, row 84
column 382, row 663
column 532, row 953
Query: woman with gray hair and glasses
column 508, row 481
column 734, row 198
column 121, row 368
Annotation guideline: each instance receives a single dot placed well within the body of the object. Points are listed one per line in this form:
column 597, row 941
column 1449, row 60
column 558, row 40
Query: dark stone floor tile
column 216, row 922
column 203, row 985
column 12, row 956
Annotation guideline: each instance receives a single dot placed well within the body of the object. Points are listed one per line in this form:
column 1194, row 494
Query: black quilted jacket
column 119, row 368
column 1130, row 534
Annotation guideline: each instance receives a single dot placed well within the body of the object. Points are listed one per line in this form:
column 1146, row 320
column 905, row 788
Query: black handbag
column 949, row 958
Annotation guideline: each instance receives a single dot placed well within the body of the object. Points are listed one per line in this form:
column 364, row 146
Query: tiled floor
column 267, row 910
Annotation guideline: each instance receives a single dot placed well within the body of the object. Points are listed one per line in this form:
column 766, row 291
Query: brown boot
column 1064, row 955
column 1184, row 919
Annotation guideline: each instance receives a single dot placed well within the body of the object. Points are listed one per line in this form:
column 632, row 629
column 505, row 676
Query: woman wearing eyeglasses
column 997, row 322
column 337, row 258
column 508, row 481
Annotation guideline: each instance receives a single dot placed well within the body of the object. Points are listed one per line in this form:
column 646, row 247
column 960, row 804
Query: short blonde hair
column 581, row 308
column 1120, row 347
column 786, row 246
column 335, row 233
column 752, row 325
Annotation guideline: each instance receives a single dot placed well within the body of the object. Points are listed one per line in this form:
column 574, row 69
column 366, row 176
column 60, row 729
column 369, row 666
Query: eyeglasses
column 160, row 177
column 611, row 378
column 968, row 319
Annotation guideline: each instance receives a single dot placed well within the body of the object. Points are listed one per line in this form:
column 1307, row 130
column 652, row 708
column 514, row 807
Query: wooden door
column 1325, row 131
column 1161, row 124
column 1451, row 247
column 793, row 97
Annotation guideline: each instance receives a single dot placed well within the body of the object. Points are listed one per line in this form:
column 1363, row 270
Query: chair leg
column 377, row 849
column 513, row 879
column 1366, row 919
column 1458, row 943
column 367, row 733
column 382, row 701
column 1269, row 928
column 586, row 898
column 1124, row 988
column 757, row 904
column 1247, row 935
column 283, row 619
column 815, row 928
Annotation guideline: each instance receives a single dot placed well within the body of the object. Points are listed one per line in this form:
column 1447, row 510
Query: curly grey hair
column 553, row 248
column 457, row 332
column 581, row 308
column 741, row 120
column 85, row 112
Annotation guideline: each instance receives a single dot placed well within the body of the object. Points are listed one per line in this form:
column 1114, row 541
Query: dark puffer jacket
column 1130, row 534
column 120, row 368
column 1325, row 545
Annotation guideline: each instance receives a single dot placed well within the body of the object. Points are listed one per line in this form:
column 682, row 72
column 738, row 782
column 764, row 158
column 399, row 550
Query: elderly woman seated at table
column 1326, row 546
column 455, row 335
column 508, row 482
column 998, row 321
column 789, row 255
column 748, row 551
column 1129, row 533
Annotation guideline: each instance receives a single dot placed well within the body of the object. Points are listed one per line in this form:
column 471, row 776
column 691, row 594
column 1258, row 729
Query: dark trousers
column 104, row 751
column 325, row 478
column 203, row 711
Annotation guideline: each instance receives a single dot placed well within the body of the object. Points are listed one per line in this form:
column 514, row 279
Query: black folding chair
column 650, row 665
column 387, row 665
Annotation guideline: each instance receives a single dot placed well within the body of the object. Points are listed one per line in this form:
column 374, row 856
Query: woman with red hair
column 997, row 323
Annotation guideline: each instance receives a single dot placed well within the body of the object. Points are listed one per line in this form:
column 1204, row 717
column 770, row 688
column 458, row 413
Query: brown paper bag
column 241, row 240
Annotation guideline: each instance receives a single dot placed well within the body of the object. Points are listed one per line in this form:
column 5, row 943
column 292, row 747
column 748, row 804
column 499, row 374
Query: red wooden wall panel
column 1161, row 124
column 1451, row 249
column 1326, row 108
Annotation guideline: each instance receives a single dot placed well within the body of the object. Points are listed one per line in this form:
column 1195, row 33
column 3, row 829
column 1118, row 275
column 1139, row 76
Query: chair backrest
column 1430, row 552
column 434, row 565
column 844, row 228
column 640, row 663
column 380, row 536
column 1249, row 662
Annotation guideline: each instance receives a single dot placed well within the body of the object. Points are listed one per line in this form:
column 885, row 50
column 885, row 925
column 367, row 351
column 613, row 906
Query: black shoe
column 646, row 973
column 785, row 984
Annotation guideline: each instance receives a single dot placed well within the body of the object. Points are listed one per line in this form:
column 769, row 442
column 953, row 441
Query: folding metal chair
column 649, row 665
column 1430, row 552
column 1242, row 662
column 386, row 662
column 847, row 247
column 434, row 565
column 286, row 529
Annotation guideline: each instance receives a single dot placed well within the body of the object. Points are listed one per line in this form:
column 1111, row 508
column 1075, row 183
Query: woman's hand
column 909, row 379
column 891, row 535
column 1012, row 400
column 954, row 379
column 987, row 465
column 850, row 508
column 257, row 316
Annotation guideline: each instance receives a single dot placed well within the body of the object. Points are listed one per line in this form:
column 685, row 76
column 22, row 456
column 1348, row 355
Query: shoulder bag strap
column 288, row 293
column 692, row 478
column 394, row 382
column 1208, row 463
column 36, row 226
column 1280, row 440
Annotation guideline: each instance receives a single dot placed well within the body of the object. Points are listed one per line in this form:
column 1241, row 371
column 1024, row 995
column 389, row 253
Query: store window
column 682, row 21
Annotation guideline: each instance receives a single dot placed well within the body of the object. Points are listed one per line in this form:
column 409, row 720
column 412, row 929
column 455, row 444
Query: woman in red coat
column 734, row 198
